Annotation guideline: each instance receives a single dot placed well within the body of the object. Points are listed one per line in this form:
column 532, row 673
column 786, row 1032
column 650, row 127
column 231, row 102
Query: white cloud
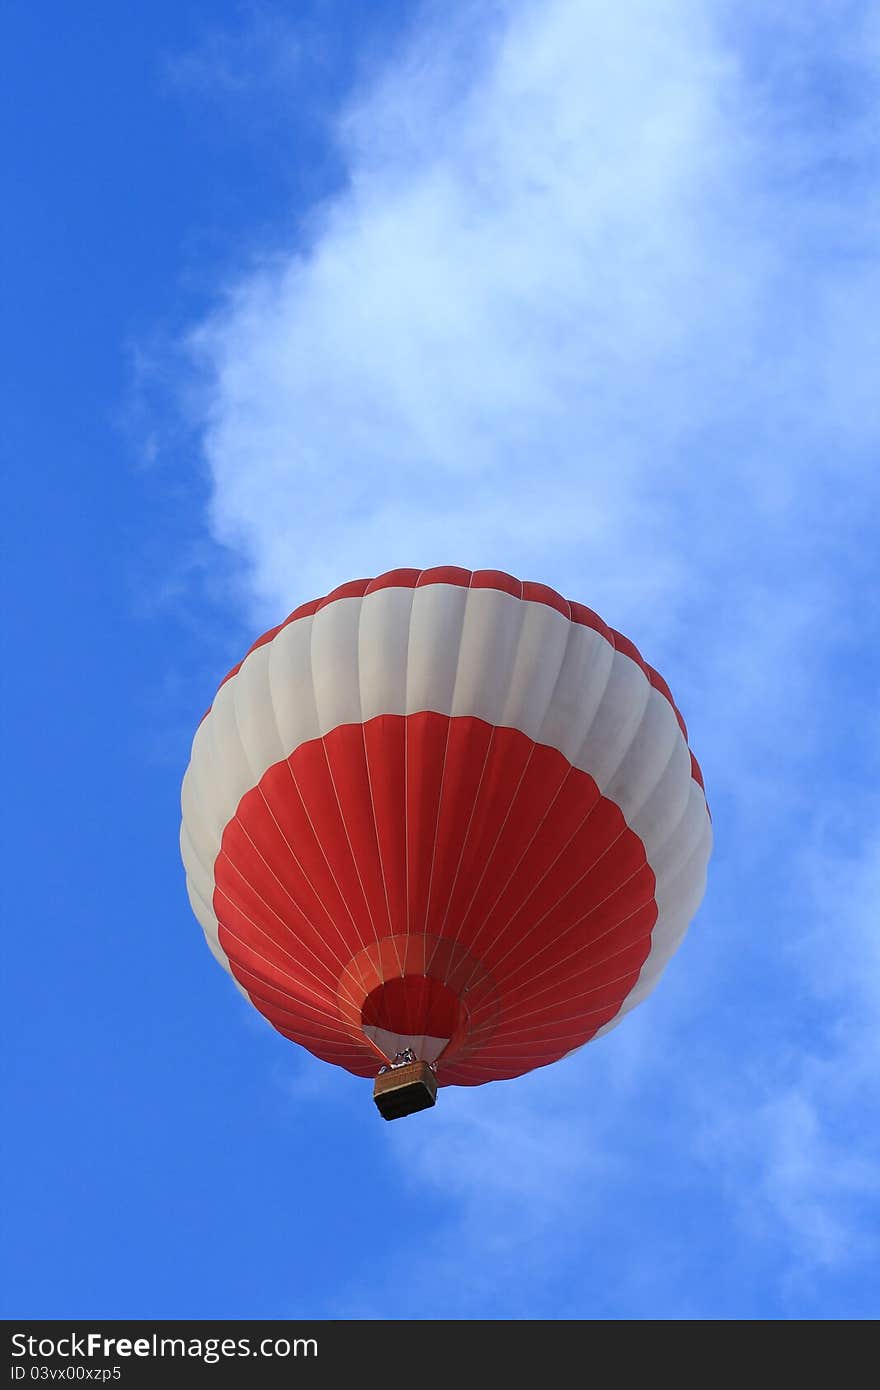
column 529, row 316
column 597, row 305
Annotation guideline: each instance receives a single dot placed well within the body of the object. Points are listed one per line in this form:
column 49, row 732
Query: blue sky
column 299, row 293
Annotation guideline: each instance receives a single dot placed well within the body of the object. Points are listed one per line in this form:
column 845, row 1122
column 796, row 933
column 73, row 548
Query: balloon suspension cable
column 400, row 1059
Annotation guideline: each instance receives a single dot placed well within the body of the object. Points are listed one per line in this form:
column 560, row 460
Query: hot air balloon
column 443, row 827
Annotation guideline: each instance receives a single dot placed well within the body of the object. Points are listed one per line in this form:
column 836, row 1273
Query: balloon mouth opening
column 413, row 1013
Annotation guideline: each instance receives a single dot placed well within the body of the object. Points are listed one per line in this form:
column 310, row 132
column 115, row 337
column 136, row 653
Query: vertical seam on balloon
column 354, row 859
column 345, row 901
column 329, row 915
column 193, row 852
column 526, row 766
column 593, row 806
column 564, row 779
column 429, row 960
column 440, row 802
column 499, row 979
column 338, row 1025
column 261, row 787
column 378, row 838
column 249, row 946
column 348, row 840
column 657, row 848
column 379, row 856
column 342, row 897
column 192, row 856
column 406, row 827
column 211, row 738
column 295, row 859
column 573, row 628
column 488, row 859
column 212, row 937
column 584, row 946
column 225, row 893
column 647, row 687
column 557, row 903
column 284, row 889
column 595, row 965
column 582, row 1028
column 472, row 942
column 659, row 953
column 576, row 636
column 237, row 693
column 315, row 1039
column 580, row 827
column 507, row 1044
column 604, row 630
column 633, row 810
column 350, row 851
column 327, row 985
column 464, row 613
column 503, row 1044
column 701, row 844
column 536, row 885
column 551, row 699
column 336, row 1030
column 453, row 885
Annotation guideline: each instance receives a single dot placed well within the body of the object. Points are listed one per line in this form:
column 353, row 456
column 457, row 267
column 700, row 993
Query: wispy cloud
column 261, row 50
column 597, row 304
column 540, row 313
column 815, row 1087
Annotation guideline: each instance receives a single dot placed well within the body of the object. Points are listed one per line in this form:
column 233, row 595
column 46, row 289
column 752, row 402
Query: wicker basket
column 404, row 1090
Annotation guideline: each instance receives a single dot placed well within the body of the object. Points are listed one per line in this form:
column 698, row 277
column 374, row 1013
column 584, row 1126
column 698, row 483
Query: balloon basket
column 405, row 1090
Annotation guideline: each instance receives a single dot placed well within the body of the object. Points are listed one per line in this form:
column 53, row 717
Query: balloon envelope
column 444, row 811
